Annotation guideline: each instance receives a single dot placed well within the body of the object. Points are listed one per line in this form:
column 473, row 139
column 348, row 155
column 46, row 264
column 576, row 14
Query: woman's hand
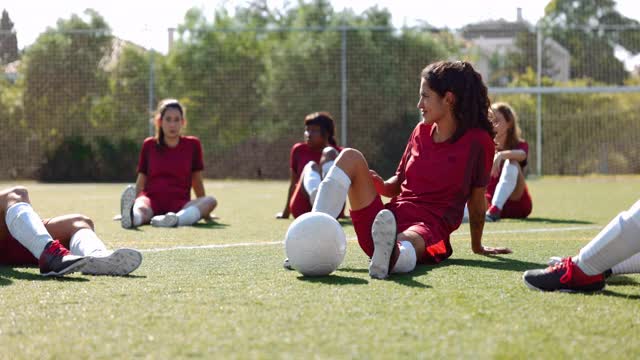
column 487, row 250
column 378, row 182
column 497, row 162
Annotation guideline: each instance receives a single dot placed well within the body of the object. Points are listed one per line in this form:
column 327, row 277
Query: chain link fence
column 77, row 104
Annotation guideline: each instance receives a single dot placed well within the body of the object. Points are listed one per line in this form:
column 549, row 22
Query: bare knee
column 329, row 154
column 351, row 161
column 80, row 221
column 13, row 196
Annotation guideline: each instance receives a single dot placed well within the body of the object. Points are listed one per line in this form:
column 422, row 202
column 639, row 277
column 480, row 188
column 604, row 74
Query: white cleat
column 127, row 199
column 383, row 232
column 167, row 220
column 115, row 263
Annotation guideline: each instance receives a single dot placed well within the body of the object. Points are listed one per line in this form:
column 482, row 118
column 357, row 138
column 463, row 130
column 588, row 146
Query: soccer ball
column 315, row 244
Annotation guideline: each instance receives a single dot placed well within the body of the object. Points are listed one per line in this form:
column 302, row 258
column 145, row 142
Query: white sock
column 506, row 184
column 326, row 167
column 618, row 241
column 407, row 259
column 85, row 242
column 137, row 215
column 332, row 192
column 188, row 216
column 311, row 181
column 629, row 266
column 27, row 227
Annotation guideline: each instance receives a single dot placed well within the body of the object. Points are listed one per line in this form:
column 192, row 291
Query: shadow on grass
column 619, row 295
column 621, row 280
column 498, row 263
column 345, row 221
column 555, row 221
column 403, row 279
column 334, row 280
column 210, row 225
column 9, row 273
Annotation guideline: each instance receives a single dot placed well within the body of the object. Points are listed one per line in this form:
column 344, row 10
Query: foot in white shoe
column 116, row 263
column 127, row 199
column 167, row 220
column 383, row 232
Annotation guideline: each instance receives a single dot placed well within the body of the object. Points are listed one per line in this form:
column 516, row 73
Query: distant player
column 309, row 161
column 615, row 250
column 446, row 164
column 507, row 191
column 169, row 166
column 25, row 239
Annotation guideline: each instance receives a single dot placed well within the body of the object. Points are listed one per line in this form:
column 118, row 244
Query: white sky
column 145, row 22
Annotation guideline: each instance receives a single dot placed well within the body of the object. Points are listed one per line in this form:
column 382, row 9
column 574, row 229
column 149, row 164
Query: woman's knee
column 329, row 154
column 80, row 221
column 17, row 194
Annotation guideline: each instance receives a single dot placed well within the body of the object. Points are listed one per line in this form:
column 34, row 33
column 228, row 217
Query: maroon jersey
column 169, row 170
column 436, row 178
column 301, row 154
column 493, row 182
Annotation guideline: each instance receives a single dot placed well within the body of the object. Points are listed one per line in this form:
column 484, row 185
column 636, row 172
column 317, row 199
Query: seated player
column 445, row 164
column 615, row 250
column 170, row 165
column 25, row 239
column 507, row 191
column 309, row 161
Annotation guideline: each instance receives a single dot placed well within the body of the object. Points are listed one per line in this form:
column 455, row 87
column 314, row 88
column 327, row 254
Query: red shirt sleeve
column 482, row 153
column 524, row 146
column 197, row 162
column 143, row 161
column 293, row 159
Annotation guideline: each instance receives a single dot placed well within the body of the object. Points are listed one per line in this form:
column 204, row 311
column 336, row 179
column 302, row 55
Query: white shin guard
column 27, row 228
column 506, row 184
column 311, row 181
column 332, row 192
column 629, row 266
column 85, row 242
column 188, row 216
column 619, row 240
column 407, row 259
column 326, row 167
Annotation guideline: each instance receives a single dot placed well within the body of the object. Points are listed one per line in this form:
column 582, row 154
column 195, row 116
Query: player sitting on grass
column 445, row 164
column 25, row 239
column 615, row 250
column 170, row 164
column 309, row 161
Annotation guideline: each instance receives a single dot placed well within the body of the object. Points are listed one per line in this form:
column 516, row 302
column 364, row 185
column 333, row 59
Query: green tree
column 8, row 40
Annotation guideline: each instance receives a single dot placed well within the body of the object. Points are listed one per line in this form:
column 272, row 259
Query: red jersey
column 493, row 182
column 169, row 170
column 301, row 154
column 436, row 178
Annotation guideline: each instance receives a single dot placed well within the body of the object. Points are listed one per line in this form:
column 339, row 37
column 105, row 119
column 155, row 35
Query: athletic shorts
column 516, row 209
column 437, row 246
column 12, row 253
column 162, row 204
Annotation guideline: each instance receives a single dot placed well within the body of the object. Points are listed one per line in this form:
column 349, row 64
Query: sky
column 145, row 22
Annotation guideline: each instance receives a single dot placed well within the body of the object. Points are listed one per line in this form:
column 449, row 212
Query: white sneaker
column 127, row 199
column 383, row 232
column 167, row 220
column 116, row 263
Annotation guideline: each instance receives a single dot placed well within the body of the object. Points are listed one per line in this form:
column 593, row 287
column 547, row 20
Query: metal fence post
column 151, row 93
column 343, row 98
column 539, row 101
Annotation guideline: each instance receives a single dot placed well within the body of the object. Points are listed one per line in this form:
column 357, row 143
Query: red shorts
column 12, row 253
column 162, row 204
column 516, row 209
column 437, row 246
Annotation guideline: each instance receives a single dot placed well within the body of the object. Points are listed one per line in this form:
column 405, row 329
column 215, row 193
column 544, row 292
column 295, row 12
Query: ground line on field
column 223, row 246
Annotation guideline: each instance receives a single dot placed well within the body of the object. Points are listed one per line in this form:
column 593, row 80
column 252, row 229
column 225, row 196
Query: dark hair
column 514, row 134
column 471, row 107
column 162, row 108
column 326, row 123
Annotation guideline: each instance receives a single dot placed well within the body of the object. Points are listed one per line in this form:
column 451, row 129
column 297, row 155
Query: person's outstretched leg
column 77, row 231
column 505, row 187
column 190, row 213
column 27, row 228
column 618, row 241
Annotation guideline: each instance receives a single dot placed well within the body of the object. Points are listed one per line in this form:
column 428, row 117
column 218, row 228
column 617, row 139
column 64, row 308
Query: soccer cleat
column 115, row 263
column 167, row 220
column 287, row 264
column 56, row 260
column 383, row 232
column 563, row 276
column 493, row 214
column 127, row 199
column 557, row 259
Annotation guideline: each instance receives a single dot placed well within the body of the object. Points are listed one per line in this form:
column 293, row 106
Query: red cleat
column 563, row 276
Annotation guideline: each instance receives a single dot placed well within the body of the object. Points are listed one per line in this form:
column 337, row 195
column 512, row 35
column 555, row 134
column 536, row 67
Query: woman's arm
column 293, row 179
column 197, row 184
column 388, row 188
column 141, row 182
column 477, row 208
column 516, row 155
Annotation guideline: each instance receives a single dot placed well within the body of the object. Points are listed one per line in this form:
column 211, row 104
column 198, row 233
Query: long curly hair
column 471, row 107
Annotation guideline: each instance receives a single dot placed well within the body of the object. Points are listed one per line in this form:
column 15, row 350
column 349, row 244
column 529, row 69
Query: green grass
column 238, row 302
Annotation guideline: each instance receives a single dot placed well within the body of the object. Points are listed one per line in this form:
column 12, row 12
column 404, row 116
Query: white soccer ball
column 315, row 244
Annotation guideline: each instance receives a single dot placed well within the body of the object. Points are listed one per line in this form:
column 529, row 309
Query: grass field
column 225, row 294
